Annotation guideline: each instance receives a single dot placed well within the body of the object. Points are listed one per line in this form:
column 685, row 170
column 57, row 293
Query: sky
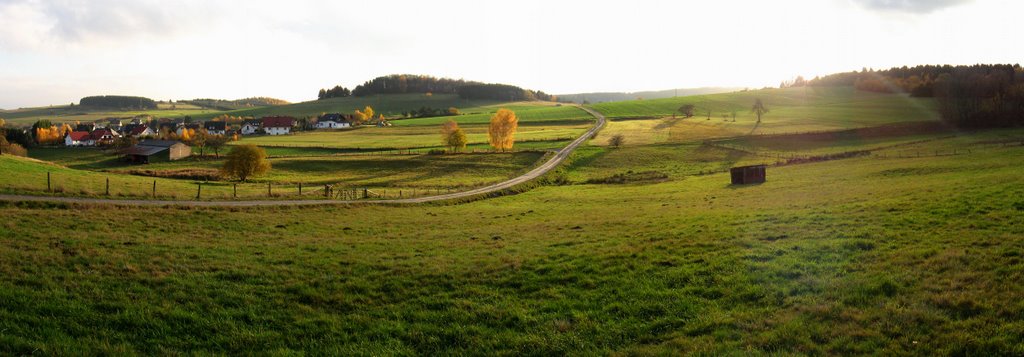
column 55, row 52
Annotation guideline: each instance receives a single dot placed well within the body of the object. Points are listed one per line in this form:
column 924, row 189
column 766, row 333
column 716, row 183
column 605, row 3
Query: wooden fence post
column 268, row 189
column 154, row 188
column 108, row 186
column 300, row 188
column 199, row 190
column 48, row 187
column 234, row 190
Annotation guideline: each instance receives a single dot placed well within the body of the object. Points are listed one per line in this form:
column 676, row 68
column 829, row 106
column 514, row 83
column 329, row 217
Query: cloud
column 34, row 24
column 909, row 6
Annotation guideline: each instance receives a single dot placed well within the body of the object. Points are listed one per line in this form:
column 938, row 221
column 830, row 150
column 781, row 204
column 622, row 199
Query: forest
column 118, row 102
column 976, row 96
column 409, row 83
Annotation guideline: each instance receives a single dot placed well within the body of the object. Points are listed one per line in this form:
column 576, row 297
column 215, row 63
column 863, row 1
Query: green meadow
column 644, row 249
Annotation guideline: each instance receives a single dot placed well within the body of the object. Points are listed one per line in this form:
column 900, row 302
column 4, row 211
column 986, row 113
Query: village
column 143, row 139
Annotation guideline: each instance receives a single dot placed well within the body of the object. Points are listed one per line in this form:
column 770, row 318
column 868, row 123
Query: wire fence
column 61, row 184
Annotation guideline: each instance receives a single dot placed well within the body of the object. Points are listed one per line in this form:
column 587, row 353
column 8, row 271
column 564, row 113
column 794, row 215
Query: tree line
column 222, row 104
column 975, row 96
column 118, row 101
column 336, row 92
column 408, row 83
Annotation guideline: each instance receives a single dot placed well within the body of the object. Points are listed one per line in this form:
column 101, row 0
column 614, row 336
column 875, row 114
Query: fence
column 137, row 188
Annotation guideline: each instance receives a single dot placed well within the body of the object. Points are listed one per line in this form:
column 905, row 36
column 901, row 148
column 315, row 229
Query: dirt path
column 538, row 171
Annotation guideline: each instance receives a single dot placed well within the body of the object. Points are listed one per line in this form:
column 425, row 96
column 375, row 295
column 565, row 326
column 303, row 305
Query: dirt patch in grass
column 632, row 177
column 186, row 174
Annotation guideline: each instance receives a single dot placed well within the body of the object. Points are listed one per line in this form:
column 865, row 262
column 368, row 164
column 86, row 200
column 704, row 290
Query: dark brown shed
column 748, row 174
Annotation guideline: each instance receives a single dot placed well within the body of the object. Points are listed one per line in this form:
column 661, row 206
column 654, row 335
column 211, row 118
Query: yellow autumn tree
column 502, row 131
column 452, row 136
column 185, row 135
column 52, row 134
column 368, row 111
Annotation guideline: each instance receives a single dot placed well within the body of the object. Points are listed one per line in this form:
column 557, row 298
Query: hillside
column 221, row 104
column 387, row 104
column 600, row 97
column 790, row 109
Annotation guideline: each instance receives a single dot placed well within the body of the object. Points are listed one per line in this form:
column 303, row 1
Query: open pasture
column 403, row 137
column 919, row 254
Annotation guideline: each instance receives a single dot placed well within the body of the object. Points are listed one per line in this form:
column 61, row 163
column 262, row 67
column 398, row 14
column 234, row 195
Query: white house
column 215, row 127
column 79, row 138
column 333, row 121
column 278, row 125
column 250, row 127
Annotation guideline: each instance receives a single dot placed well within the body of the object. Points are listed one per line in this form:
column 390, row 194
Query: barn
column 157, row 150
column 743, row 175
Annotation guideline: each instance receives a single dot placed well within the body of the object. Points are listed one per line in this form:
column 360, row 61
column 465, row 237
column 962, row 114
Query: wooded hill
column 982, row 95
column 221, row 104
column 118, row 102
column 410, row 83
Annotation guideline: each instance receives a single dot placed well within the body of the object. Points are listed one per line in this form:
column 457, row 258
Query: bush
column 436, row 152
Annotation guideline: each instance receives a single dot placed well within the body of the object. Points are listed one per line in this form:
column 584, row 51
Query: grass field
column 792, row 110
column 65, row 114
column 402, row 137
column 885, row 253
column 534, row 113
column 390, row 105
column 855, row 256
column 395, row 172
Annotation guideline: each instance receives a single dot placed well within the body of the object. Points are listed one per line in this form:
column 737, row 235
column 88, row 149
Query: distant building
column 79, row 138
column 251, row 126
column 138, row 130
column 747, row 174
column 334, row 121
column 215, row 127
column 104, row 136
column 278, row 125
column 157, row 150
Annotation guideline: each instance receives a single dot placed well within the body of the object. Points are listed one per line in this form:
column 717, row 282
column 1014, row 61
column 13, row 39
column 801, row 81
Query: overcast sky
column 55, row 52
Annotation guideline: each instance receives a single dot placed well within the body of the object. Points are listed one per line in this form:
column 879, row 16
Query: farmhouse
column 334, row 121
column 104, row 136
column 215, row 127
column 743, row 175
column 79, row 138
column 138, row 130
column 157, row 150
column 278, row 125
column 251, row 126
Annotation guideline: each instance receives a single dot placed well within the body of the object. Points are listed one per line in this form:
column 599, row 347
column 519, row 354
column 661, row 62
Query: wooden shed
column 157, row 150
column 747, row 174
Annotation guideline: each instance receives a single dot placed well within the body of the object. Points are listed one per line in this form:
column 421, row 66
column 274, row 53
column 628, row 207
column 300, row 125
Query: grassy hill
column 911, row 246
column 389, row 105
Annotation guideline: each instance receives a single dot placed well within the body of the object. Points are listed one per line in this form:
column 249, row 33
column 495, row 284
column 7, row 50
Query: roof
column 215, row 125
column 158, row 143
column 335, row 117
column 143, row 150
column 748, row 167
column 278, row 122
column 99, row 133
column 253, row 122
column 137, row 129
column 80, row 135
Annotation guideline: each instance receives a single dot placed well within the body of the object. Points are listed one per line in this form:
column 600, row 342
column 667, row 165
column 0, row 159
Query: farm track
column 537, row 172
